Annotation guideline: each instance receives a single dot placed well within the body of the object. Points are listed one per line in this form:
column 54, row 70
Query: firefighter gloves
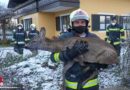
column 78, row 48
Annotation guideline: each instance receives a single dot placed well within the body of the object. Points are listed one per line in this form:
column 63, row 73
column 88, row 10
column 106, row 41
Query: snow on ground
column 37, row 72
column 40, row 73
column 110, row 77
column 4, row 52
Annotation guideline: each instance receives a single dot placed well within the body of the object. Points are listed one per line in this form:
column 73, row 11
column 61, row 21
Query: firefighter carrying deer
column 82, row 52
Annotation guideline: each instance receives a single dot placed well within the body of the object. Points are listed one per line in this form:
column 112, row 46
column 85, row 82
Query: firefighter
column 19, row 39
column 115, row 34
column 31, row 34
column 76, row 78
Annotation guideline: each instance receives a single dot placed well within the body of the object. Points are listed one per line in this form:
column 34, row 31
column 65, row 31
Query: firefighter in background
column 75, row 76
column 19, row 39
column 31, row 34
column 115, row 34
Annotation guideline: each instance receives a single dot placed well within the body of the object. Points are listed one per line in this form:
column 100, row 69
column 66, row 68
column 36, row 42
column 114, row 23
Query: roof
column 14, row 3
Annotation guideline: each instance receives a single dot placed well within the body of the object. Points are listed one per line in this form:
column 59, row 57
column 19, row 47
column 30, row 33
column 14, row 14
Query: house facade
column 54, row 14
column 101, row 12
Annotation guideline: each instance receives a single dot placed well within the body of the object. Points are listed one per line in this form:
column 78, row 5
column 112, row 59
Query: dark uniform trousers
column 19, row 48
column 117, row 47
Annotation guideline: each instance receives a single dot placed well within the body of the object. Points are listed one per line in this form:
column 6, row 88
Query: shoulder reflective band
column 73, row 85
column 56, row 57
column 107, row 30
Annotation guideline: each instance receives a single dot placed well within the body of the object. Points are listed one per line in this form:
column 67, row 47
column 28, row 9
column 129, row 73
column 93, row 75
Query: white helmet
column 78, row 14
column 32, row 26
column 20, row 24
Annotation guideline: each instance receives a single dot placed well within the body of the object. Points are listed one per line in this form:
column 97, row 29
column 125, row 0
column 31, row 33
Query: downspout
column 37, row 5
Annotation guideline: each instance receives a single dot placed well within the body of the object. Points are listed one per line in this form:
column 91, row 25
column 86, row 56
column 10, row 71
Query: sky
column 4, row 2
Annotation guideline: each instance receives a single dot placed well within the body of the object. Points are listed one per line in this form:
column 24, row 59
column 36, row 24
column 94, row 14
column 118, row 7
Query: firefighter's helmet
column 114, row 18
column 20, row 24
column 32, row 26
column 79, row 14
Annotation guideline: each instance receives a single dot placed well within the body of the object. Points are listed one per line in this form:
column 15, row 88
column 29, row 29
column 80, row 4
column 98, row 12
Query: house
column 54, row 14
column 101, row 12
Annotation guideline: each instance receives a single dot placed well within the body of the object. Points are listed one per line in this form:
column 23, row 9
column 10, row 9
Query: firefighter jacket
column 19, row 36
column 114, row 34
column 75, row 75
column 32, row 34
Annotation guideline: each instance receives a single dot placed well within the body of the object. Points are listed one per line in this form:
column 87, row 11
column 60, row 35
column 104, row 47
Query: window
column 62, row 23
column 108, row 21
column 27, row 23
column 100, row 22
column 125, row 22
column 58, row 23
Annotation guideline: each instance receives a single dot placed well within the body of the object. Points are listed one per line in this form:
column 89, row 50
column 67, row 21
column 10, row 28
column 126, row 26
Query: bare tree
column 5, row 15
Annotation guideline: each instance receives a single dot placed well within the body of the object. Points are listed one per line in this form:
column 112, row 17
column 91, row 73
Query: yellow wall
column 33, row 16
column 43, row 19
column 48, row 21
column 118, row 7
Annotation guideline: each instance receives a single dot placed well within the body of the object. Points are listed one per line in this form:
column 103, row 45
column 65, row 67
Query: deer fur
column 99, row 51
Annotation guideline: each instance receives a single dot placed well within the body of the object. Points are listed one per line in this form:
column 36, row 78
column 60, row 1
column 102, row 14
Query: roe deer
column 99, row 50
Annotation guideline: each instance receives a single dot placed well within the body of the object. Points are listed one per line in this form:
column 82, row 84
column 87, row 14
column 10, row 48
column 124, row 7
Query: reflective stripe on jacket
column 73, row 85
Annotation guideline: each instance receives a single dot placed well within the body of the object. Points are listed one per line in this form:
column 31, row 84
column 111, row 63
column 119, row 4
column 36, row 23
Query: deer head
column 43, row 43
column 37, row 41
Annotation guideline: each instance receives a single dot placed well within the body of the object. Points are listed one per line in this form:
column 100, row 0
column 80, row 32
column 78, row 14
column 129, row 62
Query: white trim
column 60, row 23
column 125, row 15
column 65, row 14
column 106, row 13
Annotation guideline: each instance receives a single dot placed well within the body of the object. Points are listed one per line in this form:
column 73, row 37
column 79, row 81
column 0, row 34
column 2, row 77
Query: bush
column 5, row 42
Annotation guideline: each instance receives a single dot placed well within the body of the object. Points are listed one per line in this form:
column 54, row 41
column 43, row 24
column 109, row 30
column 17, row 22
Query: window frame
column 98, row 28
column 127, row 22
column 25, row 23
column 61, row 22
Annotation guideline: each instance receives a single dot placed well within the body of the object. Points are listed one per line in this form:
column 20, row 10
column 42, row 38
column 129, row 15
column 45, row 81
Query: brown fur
column 99, row 51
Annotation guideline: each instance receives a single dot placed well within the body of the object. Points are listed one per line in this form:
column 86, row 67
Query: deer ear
column 42, row 33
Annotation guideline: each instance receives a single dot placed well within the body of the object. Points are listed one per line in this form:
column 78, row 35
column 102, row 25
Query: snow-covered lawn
column 39, row 73
column 35, row 73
